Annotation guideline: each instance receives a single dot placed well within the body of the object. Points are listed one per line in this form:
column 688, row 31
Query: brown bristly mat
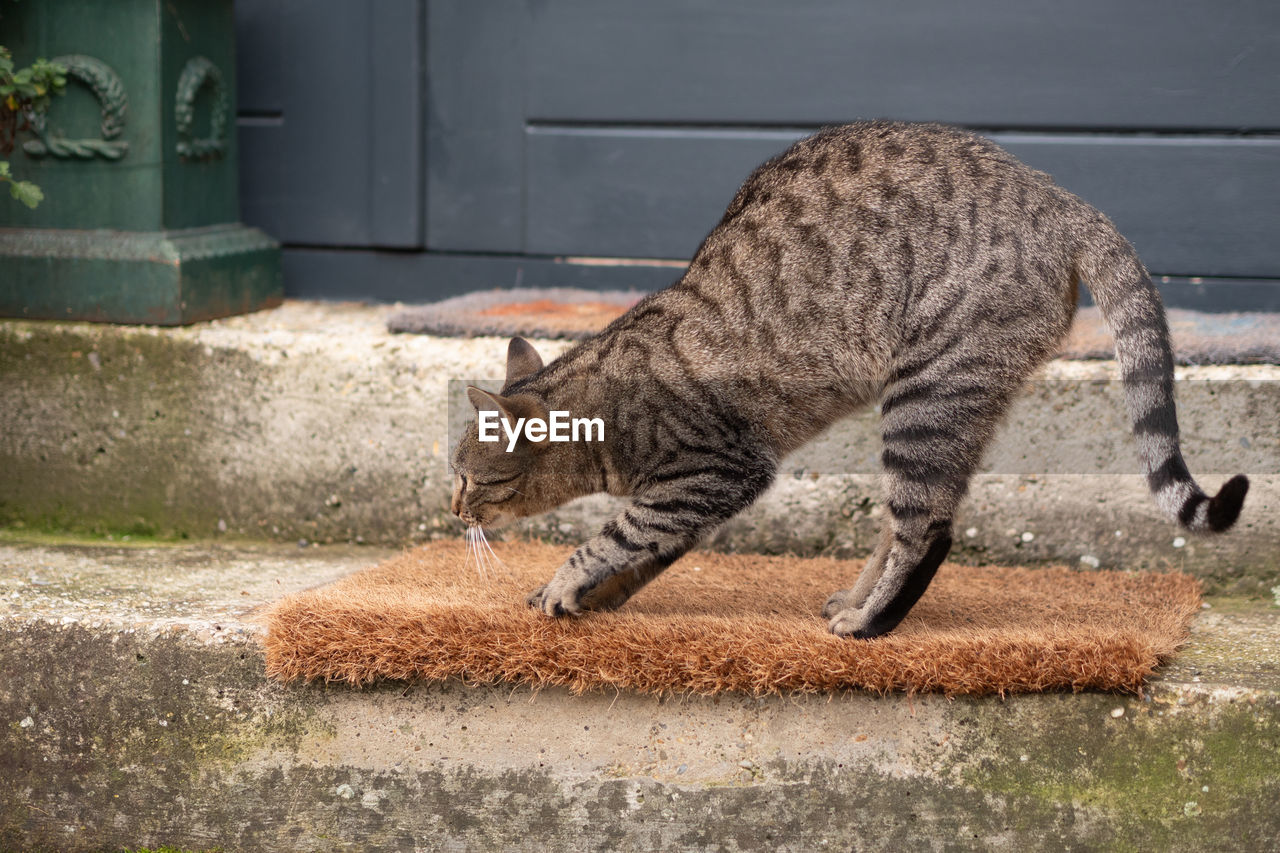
column 717, row 622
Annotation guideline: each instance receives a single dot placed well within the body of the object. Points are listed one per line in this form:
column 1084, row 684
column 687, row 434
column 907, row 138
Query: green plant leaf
column 26, row 192
column 26, row 91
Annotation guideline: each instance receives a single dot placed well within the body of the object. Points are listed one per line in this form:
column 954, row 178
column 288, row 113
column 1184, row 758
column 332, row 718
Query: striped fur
column 917, row 266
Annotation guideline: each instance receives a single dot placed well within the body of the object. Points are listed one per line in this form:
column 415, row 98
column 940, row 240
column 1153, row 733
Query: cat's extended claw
column 545, row 598
column 534, row 599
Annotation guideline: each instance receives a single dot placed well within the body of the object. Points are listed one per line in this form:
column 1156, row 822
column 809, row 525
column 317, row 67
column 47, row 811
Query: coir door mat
column 572, row 313
column 715, row 622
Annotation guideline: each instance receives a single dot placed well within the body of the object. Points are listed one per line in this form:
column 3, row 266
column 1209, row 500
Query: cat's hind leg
column 934, row 433
column 871, row 572
column 887, row 590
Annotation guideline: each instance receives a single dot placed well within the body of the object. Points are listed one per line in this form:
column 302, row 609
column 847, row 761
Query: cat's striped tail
column 1131, row 306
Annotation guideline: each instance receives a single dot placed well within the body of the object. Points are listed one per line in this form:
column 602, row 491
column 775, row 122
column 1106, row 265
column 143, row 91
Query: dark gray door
column 569, row 128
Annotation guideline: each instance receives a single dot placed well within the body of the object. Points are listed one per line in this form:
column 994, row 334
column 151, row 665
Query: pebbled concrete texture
column 135, row 712
column 311, row 421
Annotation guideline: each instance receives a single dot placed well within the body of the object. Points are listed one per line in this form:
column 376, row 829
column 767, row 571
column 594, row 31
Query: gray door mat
column 1199, row 337
column 573, row 314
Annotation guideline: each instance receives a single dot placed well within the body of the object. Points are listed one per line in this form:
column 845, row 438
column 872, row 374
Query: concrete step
column 312, row 422
column 136, row 712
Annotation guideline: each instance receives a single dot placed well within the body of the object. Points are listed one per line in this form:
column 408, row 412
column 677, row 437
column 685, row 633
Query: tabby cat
column 918, row 266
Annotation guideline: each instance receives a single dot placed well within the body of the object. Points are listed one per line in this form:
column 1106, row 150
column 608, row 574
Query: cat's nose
column 459, row 489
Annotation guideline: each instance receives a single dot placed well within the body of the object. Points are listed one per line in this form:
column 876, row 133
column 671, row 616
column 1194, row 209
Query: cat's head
column 495, row 482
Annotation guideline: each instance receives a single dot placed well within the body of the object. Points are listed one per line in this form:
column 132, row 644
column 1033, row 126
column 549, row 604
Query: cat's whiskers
column 485, row 562
column 478, row 547
column 492, row 554
column 474, row 535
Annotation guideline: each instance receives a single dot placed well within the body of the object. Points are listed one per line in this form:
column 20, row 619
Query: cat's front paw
column 553, row 601
column 855, row 622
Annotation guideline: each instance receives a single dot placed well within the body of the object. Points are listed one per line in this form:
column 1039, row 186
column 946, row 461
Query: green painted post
column 138, row 166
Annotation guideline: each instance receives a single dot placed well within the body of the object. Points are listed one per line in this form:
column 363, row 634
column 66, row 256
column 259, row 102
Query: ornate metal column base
column 173, row 277
column 138, row 165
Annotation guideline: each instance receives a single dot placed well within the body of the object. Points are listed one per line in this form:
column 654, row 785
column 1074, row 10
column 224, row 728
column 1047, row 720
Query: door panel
column 1192, row 205
column 330, row 121
column 1138, row 64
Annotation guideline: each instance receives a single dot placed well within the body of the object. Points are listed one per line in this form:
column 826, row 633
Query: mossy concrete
column 312, row 422
column 134, row 711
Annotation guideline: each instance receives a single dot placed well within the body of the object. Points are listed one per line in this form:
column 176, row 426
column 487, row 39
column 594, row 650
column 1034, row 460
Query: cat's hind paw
column 856, row 622
column 835, row 603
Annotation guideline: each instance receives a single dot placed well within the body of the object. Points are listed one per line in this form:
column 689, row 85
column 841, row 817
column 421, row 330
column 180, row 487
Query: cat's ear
column 522, row 360
column 487, row 401
column 510, row 409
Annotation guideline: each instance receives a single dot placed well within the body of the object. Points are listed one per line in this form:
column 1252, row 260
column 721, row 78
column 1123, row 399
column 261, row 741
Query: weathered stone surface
column 311, row 421
column 135, row 711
